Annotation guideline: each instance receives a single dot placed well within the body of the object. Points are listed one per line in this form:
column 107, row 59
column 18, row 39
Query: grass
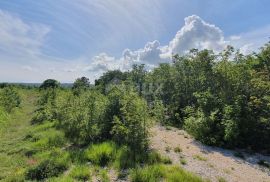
column 159, row 172
column 183, row 161
column 168, row 149
column 101, row 154
column 52, row 164
column 221, row 179
column 199, row 157
column 177, row 150
column 81, row 173
column 104, row 177
column 13, row 161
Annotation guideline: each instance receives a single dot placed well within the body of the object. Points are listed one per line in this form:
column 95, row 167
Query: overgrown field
column 35, row 149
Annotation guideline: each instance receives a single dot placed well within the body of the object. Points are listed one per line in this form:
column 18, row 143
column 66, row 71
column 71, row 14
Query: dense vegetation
column 222, row 100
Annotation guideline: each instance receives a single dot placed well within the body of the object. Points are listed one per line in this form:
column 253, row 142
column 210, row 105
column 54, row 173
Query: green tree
column 130, row 125
column 50, row 83
column 80, row 84
column 9, row 98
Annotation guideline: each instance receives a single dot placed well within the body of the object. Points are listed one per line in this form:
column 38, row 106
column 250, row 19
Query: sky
column 65, row 40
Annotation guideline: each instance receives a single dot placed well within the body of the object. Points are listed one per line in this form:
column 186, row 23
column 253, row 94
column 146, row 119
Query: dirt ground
column 211, row 163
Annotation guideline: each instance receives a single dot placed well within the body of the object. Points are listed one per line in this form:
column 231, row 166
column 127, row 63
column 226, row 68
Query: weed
column 177, row 150
column 221, row 179
column 200, row 158
column 168, row 149
column 183, row 161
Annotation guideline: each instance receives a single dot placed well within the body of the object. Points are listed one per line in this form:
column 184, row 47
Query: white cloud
column 196, row 33
column 18, row 38
column 251, row 41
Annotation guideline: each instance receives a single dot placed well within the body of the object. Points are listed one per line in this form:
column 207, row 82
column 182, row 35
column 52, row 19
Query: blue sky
column 67, row 39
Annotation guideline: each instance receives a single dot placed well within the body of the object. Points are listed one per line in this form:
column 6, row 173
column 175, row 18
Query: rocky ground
column 213, row 163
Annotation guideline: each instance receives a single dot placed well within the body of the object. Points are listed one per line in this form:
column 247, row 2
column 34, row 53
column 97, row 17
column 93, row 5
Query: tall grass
column 101, row 154
column 160, row 172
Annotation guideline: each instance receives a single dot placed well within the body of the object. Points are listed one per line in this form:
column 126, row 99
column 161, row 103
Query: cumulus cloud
column 195, row 33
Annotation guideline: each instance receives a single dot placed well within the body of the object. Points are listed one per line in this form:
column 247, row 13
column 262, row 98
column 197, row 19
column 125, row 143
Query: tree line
column 221, row 99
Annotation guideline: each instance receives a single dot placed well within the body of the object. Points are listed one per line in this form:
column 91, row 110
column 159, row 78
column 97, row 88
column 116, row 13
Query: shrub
column 81, row 117
column 101, row 154
column 56, row 163
column 9, row 99
column 131, row 123
column 81, row 172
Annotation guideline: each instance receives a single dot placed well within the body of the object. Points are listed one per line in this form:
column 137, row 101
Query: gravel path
column 211, row 163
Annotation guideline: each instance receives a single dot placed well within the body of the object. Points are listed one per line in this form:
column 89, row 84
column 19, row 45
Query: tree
column 80, row 84
column 9, row 99
column 50, row 83
column 110, row 78
column 130, row 125
column 81, row 117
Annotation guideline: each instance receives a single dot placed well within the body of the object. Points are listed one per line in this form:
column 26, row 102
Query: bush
column 47, row 110
column 101, row 154
column 131, row 123
column 9, row 99
column 56, row 163
column 82, row 117
column 155, row 173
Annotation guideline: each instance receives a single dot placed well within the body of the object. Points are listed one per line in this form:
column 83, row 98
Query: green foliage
column 81, row 173
column 155, row 173
column 3, row 118
column 104, row 177
column 46, row 110
column 183, row 161
column 109, row 79
column 159, row 111
column 82, row 117
column 177, row 150
column 101, row 154
column 129, row 127
column 50, row 83
column 9, row 99
column 80, row 84
column 56, row 163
